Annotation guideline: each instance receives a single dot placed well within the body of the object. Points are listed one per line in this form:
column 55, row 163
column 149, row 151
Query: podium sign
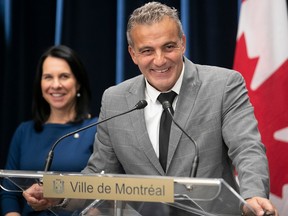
column 130, row 195
column 108, row 188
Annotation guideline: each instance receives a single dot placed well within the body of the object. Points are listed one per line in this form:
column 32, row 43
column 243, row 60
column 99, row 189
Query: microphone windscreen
column 141, row 104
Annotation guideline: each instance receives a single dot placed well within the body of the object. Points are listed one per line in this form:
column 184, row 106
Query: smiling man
column 211, row 103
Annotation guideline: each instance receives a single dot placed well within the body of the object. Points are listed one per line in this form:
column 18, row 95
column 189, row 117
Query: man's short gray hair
column 150, row 13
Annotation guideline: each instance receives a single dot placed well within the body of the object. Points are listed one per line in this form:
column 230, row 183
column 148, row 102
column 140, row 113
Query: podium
column 125, row 195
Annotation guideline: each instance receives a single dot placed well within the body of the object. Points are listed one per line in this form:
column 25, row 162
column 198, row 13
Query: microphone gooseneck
column 140, row 105
column 167, row 106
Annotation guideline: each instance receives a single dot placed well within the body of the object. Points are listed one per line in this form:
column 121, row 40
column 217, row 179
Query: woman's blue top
column 29, row 150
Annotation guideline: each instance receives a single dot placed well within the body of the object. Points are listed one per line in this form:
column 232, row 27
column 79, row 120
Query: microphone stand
column 140, row 105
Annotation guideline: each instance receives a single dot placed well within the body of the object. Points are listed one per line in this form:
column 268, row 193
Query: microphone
column 167, row 106
column 140, row 105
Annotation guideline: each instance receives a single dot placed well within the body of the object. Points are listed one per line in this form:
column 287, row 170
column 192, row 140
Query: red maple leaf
column 270, row 101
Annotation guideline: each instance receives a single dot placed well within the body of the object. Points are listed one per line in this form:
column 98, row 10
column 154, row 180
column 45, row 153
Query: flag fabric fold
column 261, row 56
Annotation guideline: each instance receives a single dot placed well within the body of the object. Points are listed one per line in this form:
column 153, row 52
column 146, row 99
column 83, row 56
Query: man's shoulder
column 213, row 69
column 126, row 84
column 208, row 71
column 215, row 72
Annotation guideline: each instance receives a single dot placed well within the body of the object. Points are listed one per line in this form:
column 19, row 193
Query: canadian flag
column 261, row 56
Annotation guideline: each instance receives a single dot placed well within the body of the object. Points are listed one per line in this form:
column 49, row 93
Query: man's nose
column 159, row 58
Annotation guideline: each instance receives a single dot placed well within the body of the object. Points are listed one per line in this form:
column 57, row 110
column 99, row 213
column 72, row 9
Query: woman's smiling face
column 59, row 85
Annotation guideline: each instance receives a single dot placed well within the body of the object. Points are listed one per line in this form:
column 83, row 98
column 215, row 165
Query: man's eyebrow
column 145, row 47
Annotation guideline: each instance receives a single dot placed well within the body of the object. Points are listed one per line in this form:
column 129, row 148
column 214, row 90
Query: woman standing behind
column 60, row 105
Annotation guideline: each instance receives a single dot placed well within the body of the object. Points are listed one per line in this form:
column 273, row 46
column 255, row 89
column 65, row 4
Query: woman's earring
column 78, row 95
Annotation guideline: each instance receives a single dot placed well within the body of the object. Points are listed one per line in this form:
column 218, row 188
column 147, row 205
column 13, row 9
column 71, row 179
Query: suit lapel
column 186, row 100
column 136, row 93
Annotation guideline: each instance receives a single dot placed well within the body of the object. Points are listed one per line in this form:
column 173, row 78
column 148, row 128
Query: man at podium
column 213, row 119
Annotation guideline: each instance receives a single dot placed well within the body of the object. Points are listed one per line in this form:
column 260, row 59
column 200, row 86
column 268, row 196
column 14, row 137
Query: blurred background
column 96, row 31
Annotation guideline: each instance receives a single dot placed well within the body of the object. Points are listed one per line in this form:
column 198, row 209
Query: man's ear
column 132, row 54
column 183, row 43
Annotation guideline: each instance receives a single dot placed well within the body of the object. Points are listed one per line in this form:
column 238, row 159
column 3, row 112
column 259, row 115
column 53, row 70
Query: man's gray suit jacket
column 213, row 107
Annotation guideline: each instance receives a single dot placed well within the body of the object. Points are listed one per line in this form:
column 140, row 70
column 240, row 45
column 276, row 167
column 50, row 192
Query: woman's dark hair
column 40, row 107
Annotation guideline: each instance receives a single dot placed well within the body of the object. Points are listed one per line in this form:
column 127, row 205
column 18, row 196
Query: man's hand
column 261, row 206
column 34, row 198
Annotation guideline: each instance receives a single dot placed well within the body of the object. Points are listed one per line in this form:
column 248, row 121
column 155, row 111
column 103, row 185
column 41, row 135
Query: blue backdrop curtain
column 96, row 30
